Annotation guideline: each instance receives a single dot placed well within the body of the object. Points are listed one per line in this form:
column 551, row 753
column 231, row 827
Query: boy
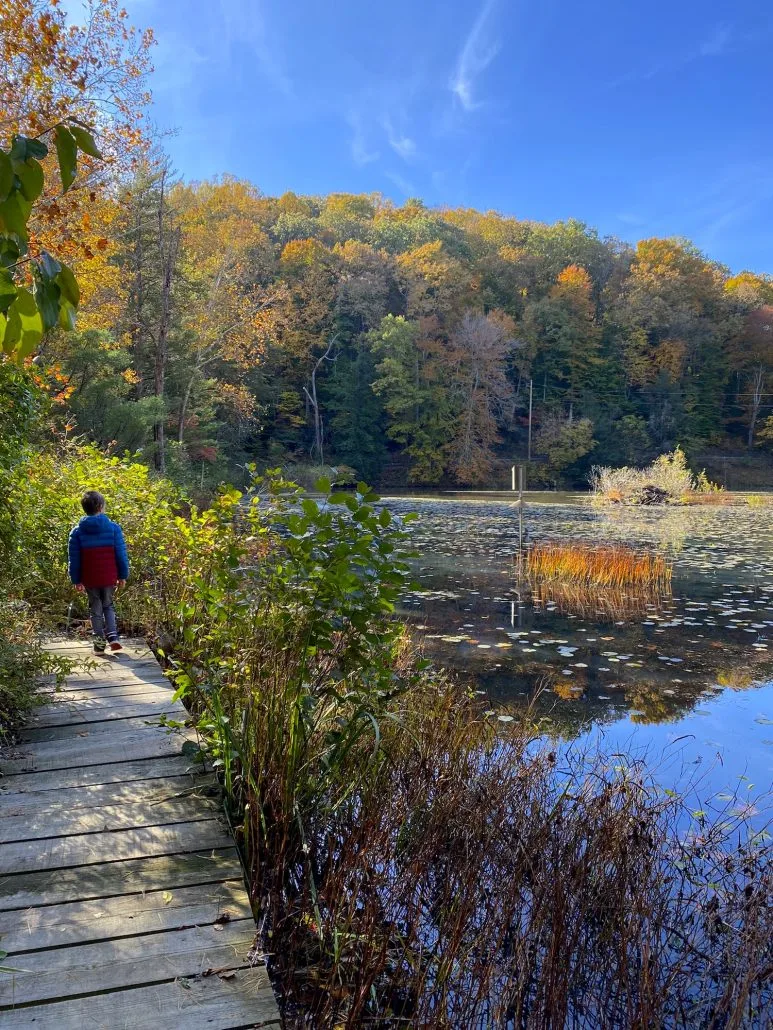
column 98, row 562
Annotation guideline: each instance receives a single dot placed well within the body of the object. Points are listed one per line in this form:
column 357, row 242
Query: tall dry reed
column 611, row 565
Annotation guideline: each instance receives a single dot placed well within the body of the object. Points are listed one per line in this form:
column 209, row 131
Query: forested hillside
column 220, row 327
column 227, row 327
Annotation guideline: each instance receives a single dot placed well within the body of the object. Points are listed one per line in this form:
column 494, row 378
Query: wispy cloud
column 244, row 22
column 402, row 145
column 361, row 153
column 717, row 43
column 176, row 65
column 477, row 53
column 404, row 186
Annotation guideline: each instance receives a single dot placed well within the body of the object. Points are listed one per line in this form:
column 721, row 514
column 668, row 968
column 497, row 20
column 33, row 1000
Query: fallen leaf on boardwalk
column 167, row 896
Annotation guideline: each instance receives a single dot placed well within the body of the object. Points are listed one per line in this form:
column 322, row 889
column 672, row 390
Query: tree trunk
column 758, row 385
column 311, row 398
column 184, row 411
column 168, row 246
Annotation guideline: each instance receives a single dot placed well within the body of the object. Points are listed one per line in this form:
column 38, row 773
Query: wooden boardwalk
column 122, row 901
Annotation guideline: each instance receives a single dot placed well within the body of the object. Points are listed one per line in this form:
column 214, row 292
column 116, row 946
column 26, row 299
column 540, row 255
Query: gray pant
column 102, row 612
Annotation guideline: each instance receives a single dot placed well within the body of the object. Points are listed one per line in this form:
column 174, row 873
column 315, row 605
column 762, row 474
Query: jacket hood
column 94, row 523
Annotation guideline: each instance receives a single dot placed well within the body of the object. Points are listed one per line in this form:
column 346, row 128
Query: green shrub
column 23, row 662
column 668, row 479
column 45, row 499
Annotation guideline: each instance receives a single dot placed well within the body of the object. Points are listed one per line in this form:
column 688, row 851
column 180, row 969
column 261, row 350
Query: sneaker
column 116, row 645
column 99, row 647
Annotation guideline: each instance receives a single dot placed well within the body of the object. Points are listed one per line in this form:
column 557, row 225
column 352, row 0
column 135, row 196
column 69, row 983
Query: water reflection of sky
column 697, row 666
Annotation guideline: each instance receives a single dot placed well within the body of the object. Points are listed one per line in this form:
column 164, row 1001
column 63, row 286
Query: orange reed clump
column 611, row 565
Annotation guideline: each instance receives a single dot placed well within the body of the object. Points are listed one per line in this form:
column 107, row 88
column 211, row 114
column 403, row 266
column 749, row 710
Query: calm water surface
column 688, row 679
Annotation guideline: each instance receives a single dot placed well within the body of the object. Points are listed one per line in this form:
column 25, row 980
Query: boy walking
column 98, row 562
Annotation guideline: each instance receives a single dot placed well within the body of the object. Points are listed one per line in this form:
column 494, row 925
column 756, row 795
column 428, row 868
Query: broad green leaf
column 47, row 300
column 30, row 175
column 25, row 326
column 68, row 284
column 11, row 331
column 14, row 214
column 10, row 252
column 323, row 485
column 67, row 155
column 6, row 175
column 339, row 497
column 7, row 290
column 66, row 315
column 49, row 267
column 85, row 140
column 23, row 147
column 385, row 517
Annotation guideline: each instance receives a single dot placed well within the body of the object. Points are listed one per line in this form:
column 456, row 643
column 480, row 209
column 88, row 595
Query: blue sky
column 640, row 119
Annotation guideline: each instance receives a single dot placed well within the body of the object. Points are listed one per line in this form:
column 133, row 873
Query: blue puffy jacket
column 97, row 552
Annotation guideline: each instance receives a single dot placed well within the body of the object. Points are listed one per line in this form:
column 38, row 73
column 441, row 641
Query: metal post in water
column 520, row 508
column 512, row 474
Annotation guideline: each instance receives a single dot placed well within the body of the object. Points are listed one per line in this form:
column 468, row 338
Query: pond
column 686, row 679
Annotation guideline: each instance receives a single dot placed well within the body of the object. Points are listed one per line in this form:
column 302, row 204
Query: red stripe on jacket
column 98, row 567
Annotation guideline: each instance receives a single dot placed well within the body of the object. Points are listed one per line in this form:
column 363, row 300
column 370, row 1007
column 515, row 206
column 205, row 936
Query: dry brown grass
column 478, row 881
column 717, row 498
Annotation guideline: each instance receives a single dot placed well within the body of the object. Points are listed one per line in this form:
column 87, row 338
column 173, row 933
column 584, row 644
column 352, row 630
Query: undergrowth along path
column 122, row 898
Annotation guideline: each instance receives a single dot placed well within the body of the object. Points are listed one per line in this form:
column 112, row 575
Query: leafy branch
column 25, row 315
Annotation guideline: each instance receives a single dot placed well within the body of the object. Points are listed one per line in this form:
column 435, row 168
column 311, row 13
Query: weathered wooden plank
column 203, row 1003
column 115, row 871
column 108, row 879
column 98, row 749
column 91, row 848
column 150, row 791
column 53, row 820
column 127, row 693
column 88, row 713
column 73, row 723
column 122, row 722
column 106, row 772
column 111, row 676
column 126, row 915
column 127, row 962
column 64, row 644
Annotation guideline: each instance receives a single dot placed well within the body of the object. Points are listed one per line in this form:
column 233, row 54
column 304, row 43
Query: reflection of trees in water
column 667, row 530
column 570, row 708
column 650, row 705
column 736, row 678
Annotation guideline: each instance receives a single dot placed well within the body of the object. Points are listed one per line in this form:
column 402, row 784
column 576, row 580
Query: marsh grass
column 609, row 567
column 608, row 604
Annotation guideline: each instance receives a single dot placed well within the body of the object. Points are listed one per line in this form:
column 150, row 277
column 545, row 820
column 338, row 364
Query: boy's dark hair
column 92, row 502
